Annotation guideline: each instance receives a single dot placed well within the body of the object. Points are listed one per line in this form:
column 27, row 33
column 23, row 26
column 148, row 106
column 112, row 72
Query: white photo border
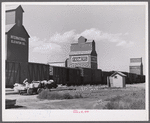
column 68, row 115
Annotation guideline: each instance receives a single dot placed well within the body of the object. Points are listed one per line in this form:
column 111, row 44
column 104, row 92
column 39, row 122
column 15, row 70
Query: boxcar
column 12, row 73
column 132, row 78
column 105, row 74
column 38, row 72
column 86, row 74
column 96, row 76
column 59, row 74
column 65, row 76
column 16, row 72
column 74, row 76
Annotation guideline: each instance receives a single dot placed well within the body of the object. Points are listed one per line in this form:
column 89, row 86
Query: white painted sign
column 76, row 59
column 18, row 40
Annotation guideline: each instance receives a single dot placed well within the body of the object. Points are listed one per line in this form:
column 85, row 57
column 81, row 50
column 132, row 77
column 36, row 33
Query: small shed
column 117, row 79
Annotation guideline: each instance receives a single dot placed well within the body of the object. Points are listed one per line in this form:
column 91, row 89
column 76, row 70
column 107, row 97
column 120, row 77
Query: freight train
column 62, row 75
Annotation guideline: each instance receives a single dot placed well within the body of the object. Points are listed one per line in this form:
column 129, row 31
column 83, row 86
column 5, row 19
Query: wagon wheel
column 39, row 90
column 20, row 92
column 29, row 91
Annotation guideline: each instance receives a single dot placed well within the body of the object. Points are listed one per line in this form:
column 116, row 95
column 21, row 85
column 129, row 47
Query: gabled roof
column 135, row 64
column 76, row 42
column 80, row 52
column 117, row 72
column 8, row 27
column 94, row 53
column 13, row 8
column 81, row 37
column 26, row 31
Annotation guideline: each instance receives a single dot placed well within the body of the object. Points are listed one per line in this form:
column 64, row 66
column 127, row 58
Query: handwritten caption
column 76, row 111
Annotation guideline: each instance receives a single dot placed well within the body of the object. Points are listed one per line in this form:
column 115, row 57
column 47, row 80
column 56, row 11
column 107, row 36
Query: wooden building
column 17, row 46
column 83, row 54
column 136, row 66
column 16, row 36
column 117, row 79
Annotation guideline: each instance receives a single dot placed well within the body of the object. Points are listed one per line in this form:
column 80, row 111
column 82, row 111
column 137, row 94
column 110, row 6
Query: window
column 115, row 77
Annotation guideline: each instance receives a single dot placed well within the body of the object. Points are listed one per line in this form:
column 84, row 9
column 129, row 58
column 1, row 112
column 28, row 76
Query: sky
column 118, row 30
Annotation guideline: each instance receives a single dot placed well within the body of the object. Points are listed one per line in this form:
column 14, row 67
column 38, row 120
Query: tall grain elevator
column 16, row 35
column 83, row 54
column 136, row 66
column 17, row 46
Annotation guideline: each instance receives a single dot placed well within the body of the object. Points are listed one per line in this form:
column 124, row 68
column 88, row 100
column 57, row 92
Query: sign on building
column 18, row 40
column 83, row 54
column 77, row 59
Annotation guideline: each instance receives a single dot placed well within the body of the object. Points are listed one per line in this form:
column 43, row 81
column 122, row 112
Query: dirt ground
column 93, row 97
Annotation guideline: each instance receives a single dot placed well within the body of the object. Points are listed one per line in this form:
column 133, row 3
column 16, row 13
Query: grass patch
column 135, row 100
column 46, row 94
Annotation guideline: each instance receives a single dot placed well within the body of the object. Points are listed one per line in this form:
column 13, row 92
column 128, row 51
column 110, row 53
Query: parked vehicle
column 34, row 87
column 46, row 85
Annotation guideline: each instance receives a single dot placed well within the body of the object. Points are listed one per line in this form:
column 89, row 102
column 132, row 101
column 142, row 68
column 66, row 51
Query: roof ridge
column 120, row 73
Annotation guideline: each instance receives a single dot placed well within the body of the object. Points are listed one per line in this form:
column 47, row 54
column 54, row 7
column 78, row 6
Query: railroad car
column 105, row 74
column 16, row 72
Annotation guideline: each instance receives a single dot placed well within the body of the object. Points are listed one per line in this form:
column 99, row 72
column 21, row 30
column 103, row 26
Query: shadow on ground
column 16, row 106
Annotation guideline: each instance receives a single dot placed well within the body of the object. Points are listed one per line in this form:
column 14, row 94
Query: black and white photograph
column 75, row 61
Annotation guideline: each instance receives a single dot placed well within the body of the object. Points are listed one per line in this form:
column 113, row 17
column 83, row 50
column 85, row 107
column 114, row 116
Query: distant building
column 83, row 54
column 136, row 66
column 60, row 64
column 117, row 79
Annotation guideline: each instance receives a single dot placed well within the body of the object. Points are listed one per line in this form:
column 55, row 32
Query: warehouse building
column 83, row 54
column 136, row 66
column 59, row 64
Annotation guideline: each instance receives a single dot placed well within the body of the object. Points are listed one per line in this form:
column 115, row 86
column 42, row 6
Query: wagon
column 46, row 85
column 30, row 89
column 35, row 87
